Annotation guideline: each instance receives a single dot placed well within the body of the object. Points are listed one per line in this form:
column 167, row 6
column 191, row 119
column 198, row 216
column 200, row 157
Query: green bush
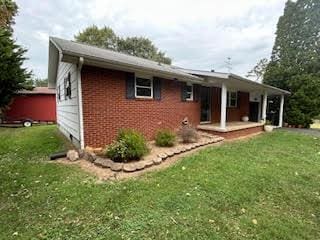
column 165, row 138
column 117, row 151
column 130, row 145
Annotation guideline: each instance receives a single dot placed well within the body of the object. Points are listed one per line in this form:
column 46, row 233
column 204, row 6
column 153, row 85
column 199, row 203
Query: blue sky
column 195, row 34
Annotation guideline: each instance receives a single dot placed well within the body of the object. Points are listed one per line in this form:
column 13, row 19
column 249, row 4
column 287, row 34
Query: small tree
column 12, row 76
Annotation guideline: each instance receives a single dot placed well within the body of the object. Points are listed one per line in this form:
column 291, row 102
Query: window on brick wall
column 189, row 92
column 232, row 99
column 143, row 87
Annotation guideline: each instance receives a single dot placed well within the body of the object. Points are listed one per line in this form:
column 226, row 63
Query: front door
column 205, row 97
column 254, row 112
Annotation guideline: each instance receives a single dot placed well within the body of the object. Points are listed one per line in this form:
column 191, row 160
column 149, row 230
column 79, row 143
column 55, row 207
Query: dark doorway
column 254, row 112
column 205, row 96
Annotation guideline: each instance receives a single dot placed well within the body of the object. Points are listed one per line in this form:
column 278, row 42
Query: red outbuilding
column 38, row 105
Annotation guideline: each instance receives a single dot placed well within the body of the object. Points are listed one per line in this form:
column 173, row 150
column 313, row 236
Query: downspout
column 80, row 64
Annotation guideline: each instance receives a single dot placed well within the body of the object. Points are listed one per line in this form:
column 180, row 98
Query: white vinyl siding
column 68, row 108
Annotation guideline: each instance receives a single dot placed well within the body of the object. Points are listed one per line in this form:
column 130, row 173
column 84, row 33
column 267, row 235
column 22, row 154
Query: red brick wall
column 233, row 114
column 106, row 109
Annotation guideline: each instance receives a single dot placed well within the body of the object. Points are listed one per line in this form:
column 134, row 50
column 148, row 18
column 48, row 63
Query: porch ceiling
column 235, row 82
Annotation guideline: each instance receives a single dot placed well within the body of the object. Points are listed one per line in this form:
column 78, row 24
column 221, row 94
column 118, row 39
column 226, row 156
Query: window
column 189, row 93
column 59, row 93
column 232, row 99
column 143, row 88
column 67, row 86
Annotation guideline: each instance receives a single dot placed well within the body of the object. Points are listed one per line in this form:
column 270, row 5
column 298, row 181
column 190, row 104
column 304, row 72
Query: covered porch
column 235, row 105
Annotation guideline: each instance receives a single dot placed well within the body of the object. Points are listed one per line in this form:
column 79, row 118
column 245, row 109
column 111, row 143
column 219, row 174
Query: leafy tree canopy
column 295, row 59
column 136, row 46
column 8, row 10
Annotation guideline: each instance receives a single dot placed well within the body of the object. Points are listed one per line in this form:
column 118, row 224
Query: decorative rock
column 162, row 156
column 157, row 161
column 140, row 165
column 194, row 145
column 183, row 148
column 81, row 153
column 176, row 150
column 169, row 153
column 97, row 150
column 148, row 163
column 105, row 163
column 91, row 157
column 116, row 166
column 99, row 161
column 72, row 155
column 129, row 167
column 188, row 148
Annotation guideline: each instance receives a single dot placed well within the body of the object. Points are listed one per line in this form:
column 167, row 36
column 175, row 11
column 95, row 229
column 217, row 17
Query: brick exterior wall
column 106, row 109
column 233, row 114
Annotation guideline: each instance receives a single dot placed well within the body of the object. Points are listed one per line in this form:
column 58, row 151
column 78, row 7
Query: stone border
column 140, row 165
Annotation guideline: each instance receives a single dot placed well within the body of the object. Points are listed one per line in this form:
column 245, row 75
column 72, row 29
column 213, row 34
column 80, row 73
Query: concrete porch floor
column 230, row 126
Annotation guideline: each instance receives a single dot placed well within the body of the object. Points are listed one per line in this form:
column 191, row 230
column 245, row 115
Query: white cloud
column 196, row 34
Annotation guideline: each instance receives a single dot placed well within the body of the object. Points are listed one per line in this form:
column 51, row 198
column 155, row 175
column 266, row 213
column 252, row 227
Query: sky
column 198, row 34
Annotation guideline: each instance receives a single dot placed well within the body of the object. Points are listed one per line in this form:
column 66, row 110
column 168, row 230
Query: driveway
column 312, row 132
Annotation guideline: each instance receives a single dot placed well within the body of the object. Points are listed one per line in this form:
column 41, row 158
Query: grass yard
column 264, row 188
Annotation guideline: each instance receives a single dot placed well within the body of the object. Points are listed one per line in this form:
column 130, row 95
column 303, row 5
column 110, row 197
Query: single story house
column 37, row 105
column 99, row 91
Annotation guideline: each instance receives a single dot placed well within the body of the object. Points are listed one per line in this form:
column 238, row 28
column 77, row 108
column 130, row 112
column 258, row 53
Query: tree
column 8, row 9
column 142, row 47
column 104, row 37
column 13, row 77
column 259, row 70
column 38, row 82
column 295, row 60
column 136, row 46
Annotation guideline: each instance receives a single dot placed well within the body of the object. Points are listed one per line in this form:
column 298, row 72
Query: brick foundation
column 236, row 133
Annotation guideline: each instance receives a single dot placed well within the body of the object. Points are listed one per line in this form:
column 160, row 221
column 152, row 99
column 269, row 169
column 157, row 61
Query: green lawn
column 214, row 194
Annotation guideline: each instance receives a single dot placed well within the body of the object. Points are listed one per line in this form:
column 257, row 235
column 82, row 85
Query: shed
column 37, row 105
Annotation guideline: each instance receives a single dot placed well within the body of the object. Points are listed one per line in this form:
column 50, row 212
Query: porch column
column 281, row 111
column 264, row 107
column 223, row 115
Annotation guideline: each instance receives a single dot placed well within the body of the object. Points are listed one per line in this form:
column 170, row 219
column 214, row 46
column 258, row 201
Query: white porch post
column 223, row 116
column 281, row 111
column 264, row 107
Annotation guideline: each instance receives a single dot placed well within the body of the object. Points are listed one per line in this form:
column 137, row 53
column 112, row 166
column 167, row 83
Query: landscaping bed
column 156, row 156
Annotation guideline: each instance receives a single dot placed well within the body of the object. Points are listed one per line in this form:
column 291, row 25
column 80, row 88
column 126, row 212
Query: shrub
column 165, row 138
column 188, row 134
column 117, row 151
column 130, row 145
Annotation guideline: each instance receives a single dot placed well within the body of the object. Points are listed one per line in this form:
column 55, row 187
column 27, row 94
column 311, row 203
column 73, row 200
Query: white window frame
column 191, row 93
column 138, row 86
column 229, row 99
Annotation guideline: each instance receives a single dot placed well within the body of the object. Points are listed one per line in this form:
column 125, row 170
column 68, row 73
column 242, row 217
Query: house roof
column 38, row 90
column 235, row 80
column 70, row 51
column 96, row 56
